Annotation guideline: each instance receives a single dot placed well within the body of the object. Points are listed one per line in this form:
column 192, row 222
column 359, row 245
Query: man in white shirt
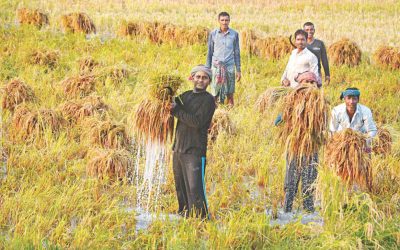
column 301, row 60
column 351, row 114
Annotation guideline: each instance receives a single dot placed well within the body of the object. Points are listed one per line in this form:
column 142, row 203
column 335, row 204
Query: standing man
column 351, row 114
column 318, row 48
column 194, row 110
column 222, row 57
column 301, row 60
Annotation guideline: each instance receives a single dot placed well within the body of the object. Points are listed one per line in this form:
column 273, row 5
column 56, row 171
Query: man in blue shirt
column 222, row 57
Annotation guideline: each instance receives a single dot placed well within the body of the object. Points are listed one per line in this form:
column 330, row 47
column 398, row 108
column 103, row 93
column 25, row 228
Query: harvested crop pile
column 221, row 122
column 109, row 163
column 79, row 86
column 387, row 57
column 270, row 97
column 76, row 110
column 78, row 22
column 345, row 52
column 46, row 58
column 382, row 142
column 34, row 17
column 106, row 134
column 16, row 92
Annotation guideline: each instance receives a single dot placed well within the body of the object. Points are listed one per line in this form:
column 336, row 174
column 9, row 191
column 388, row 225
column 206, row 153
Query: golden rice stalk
column 305, row 121
column 76, row 110
column 153, row 120
column 221, row 122
column 79, row 86
column 87, row 65
column 388, row 57
column 270, row 97
column 78, row 22
column 345, row 52
column 247, row 40
column 106, row 134
column 42, row 57
column 165, row 86
column 118, row 74
column 16, row 92
column 32, row 124
column 110, row 163
column 386, row 180
column 35, row 17
column 345, row 153
column 382, row 142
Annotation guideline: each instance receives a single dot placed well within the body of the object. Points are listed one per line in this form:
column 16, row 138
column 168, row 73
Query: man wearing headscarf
column 351, row 114
column 194, row 110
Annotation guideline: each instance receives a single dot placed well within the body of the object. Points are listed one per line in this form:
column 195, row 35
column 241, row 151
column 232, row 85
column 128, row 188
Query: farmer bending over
column 194, row 110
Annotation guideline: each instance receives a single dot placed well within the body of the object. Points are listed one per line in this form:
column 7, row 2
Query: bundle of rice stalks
column 47, row 58
column 270, row 97
column 79, row 86
column 345, row 153
column 76, row 110
column 305, row 120
column 129, row 29
column 165, row 86
column 16, row 92
column 388, row 57
column 345, row 52
column 32, row 124
column 382, row 142
column 87, row 65
column 118, row 74
column 106, row 134
column 78, row 22
column 35, row 17
column 247, row 41
column 221, row 122
column 110, row 163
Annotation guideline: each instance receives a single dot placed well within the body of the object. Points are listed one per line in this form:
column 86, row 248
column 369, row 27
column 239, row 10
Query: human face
column 224, row 22
column 201, row 80
column 301, row 42
column 351, row 102
column 310, row 31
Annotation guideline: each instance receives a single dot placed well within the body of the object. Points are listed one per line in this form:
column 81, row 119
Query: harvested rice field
column 86, row 149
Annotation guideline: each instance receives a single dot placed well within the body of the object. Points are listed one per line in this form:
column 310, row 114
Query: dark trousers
column 189, row 170
column 308, row 174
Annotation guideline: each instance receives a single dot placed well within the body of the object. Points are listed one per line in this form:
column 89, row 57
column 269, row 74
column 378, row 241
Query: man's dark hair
column 300, row 32
column 223, row 14
column 308, row 24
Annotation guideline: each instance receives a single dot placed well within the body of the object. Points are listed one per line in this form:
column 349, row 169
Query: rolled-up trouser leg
column 180, row 186
column 194, row 168
column 291, row 183
column 308, row 176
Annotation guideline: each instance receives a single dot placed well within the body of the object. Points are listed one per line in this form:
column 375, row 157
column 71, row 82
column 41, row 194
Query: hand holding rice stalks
column 76, row 110
column 78, row 22
column 305, row 121
column 106, row 134
column 345, row 52
column 388, row 57
column 163, row 87
column 270, row 97
column 34, row 17
column 79, row 86
column 345, row 153
column 382, row 142
column 16, row 92
column 221, row 122
column 44, row 58
column 110, row 163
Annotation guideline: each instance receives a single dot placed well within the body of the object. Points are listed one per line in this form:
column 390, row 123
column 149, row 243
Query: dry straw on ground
column 106, row 134
column 30, row 125
column 78, row 86
column 345, row 52
column 43, row 57
column 109, row 163
column 221, row 123
column 382, row 142
column 76, row 110
column 270, row 97
column 270, row 47
column 34, row 17
column 16, row 92
column 87, row 65
column 345, row 153
column 388, row 57
column 305, row 121
column 78, row 22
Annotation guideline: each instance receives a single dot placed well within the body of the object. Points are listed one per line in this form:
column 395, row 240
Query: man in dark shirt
column 194, row 110
column 318, row 48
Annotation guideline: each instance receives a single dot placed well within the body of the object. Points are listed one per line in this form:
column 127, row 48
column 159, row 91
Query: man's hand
column 238, row 76
column 327, row 80
column 286, row 82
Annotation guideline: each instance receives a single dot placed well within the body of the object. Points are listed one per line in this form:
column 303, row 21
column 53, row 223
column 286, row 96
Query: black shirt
column 317, row 47
column 194, row 112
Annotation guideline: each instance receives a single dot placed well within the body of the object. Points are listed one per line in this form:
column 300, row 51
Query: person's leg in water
column 308, row 176
column 180, row 185
column 292, row 178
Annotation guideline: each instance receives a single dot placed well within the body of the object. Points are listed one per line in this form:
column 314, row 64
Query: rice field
column 69, row 109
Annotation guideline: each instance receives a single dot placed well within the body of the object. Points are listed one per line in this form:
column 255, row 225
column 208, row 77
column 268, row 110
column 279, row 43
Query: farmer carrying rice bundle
column 194, row 110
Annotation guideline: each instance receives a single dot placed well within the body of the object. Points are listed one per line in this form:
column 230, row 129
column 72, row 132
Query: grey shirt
column 317, row 47
column 224, row 47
